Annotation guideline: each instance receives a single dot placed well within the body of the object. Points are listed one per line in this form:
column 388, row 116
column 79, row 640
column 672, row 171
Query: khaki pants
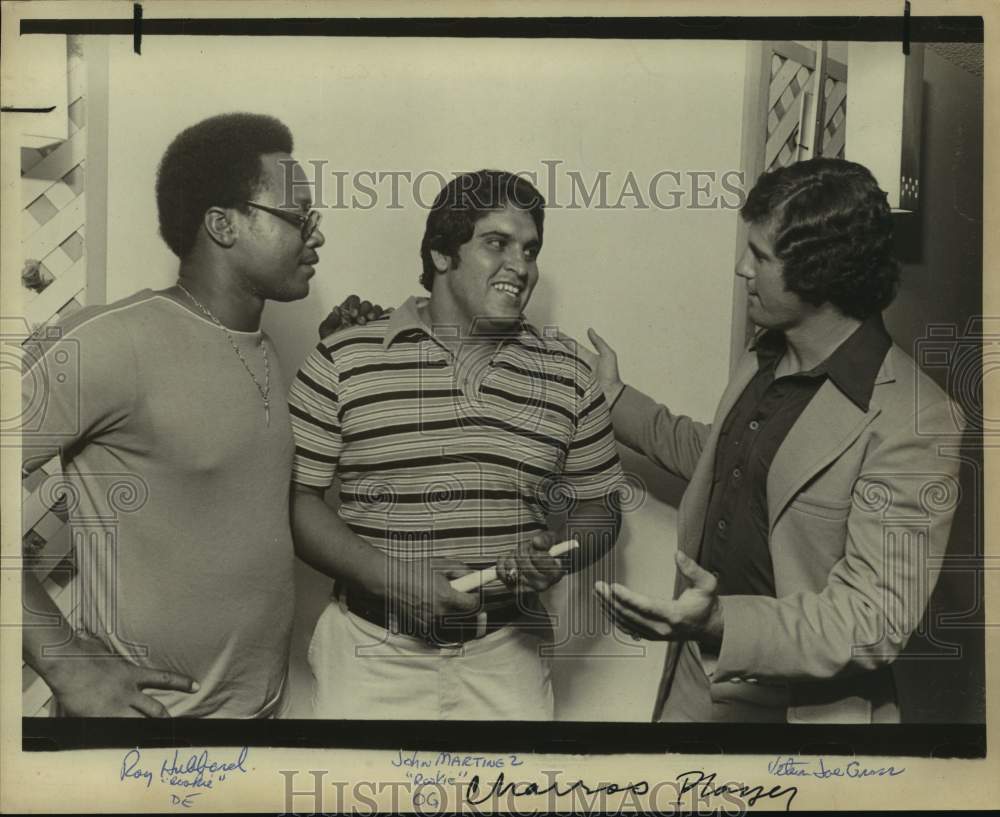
column 361, row 670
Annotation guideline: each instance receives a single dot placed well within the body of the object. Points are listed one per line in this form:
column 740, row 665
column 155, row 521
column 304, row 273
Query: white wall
column 657, row 284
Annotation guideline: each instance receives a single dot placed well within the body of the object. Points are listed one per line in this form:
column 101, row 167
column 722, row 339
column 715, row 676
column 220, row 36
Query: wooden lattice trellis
column 53, row 234
column 792, row 68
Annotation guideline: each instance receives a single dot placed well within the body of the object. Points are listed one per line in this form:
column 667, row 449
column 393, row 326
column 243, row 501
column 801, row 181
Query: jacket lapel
column 825, row 429
column 829, row 424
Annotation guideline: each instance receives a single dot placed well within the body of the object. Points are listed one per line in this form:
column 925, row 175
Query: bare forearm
column 323, row 541
column 86, row 678
column 595, row 524
column 44, row 628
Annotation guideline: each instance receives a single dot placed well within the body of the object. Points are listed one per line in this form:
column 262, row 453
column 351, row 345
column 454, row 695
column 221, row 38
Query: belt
column 445, row 632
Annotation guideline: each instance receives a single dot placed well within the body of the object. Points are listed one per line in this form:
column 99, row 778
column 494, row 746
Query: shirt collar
column 407, row 318
column 853, row 366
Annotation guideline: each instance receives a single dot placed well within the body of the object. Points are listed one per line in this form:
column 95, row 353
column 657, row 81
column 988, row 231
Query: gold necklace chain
column 265, row 391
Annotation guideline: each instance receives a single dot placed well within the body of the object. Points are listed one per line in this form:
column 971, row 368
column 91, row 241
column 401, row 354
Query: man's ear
column 442, row 262
column 219, row 227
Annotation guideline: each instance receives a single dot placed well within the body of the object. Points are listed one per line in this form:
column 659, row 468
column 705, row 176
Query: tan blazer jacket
column 860, row 506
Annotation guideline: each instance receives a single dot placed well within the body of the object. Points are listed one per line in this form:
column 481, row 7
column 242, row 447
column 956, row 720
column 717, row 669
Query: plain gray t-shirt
column 178, row 495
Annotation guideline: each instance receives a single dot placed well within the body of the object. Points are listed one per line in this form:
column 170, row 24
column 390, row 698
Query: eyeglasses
column 307, row 223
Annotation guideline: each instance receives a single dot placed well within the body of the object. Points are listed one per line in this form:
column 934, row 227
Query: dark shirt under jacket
column 735, row 541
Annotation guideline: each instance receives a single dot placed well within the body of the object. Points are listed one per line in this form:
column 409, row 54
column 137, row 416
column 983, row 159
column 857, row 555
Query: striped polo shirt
column 427, row 467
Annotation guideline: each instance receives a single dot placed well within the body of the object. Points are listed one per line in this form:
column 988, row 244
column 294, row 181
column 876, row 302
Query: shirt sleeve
column 314, row 406
column 592, row 468
column 672, row 441
column 77, row 384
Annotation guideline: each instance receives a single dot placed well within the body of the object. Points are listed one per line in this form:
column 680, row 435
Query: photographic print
column 443, row 407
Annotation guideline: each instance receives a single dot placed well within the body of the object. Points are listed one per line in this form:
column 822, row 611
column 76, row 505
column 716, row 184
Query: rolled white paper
column 471, row 581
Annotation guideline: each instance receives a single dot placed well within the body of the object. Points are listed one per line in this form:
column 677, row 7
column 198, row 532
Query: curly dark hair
column 831, row 229
column 215, row 163
column 465, row 200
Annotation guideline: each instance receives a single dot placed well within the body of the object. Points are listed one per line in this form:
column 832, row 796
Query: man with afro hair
column 176, row 398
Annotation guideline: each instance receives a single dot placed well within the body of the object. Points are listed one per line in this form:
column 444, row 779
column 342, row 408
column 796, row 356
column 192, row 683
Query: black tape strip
column 907, row 740
column 15, row 109
column 906, row 28
column 137, row 28
column 862, row 29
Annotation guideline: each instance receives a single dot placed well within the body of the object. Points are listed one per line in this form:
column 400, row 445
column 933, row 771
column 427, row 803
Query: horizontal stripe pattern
column 420, row 460
column 437, row 497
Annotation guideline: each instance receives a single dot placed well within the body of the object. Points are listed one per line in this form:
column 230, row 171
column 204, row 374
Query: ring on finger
column 510, row 575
